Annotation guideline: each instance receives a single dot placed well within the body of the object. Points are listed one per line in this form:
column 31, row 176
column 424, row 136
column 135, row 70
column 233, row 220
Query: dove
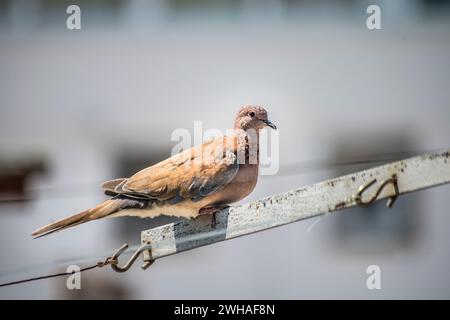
column 201, row 180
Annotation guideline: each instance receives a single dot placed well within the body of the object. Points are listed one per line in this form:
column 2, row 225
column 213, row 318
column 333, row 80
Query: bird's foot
column 212, row 210
column 213, row 220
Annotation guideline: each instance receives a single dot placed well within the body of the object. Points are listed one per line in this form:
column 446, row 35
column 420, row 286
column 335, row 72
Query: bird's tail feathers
column 102, row 210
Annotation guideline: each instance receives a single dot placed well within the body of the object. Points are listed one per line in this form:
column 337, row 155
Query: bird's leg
column 212, row 210
column 213, row 220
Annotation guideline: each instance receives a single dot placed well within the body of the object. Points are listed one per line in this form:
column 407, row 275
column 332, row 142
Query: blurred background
column 78, row 107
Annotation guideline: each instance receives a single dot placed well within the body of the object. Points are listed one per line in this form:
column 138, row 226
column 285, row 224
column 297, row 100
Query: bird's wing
column 194, row 173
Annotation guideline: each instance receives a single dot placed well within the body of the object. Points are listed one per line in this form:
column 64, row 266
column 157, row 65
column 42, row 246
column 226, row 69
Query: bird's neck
column 248, row 146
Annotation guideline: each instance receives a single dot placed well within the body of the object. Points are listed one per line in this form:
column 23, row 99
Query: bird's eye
column 251, row 114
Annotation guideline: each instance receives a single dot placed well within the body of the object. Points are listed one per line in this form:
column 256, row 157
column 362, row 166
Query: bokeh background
column 78, row 107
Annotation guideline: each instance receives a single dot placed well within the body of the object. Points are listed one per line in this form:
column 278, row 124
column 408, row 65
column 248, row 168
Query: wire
column 317, row 165
column 80, row 190
column 6, row 284
column 107, row 261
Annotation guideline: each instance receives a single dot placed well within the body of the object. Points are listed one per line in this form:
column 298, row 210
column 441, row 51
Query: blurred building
column 101, row 102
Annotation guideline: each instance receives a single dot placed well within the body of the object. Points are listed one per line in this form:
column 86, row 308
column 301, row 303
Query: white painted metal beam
column 412, row 174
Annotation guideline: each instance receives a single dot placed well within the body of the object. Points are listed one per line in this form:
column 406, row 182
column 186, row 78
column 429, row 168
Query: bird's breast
column 241, row 186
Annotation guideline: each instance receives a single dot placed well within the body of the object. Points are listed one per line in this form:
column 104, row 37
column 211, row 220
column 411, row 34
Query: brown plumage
column 200, row 180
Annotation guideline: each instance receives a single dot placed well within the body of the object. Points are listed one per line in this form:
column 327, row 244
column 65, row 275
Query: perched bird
column 201, row 180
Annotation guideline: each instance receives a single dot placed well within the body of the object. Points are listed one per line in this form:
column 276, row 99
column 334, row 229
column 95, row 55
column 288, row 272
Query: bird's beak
column 270, row 124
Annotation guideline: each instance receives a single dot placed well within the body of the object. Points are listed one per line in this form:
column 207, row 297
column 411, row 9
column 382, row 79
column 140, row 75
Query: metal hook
column 358, row 196
column 114, row 262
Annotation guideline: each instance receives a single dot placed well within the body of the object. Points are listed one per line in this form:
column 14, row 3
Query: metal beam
column 408, row 175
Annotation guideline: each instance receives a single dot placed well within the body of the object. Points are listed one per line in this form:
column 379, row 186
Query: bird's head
column 252, row 117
